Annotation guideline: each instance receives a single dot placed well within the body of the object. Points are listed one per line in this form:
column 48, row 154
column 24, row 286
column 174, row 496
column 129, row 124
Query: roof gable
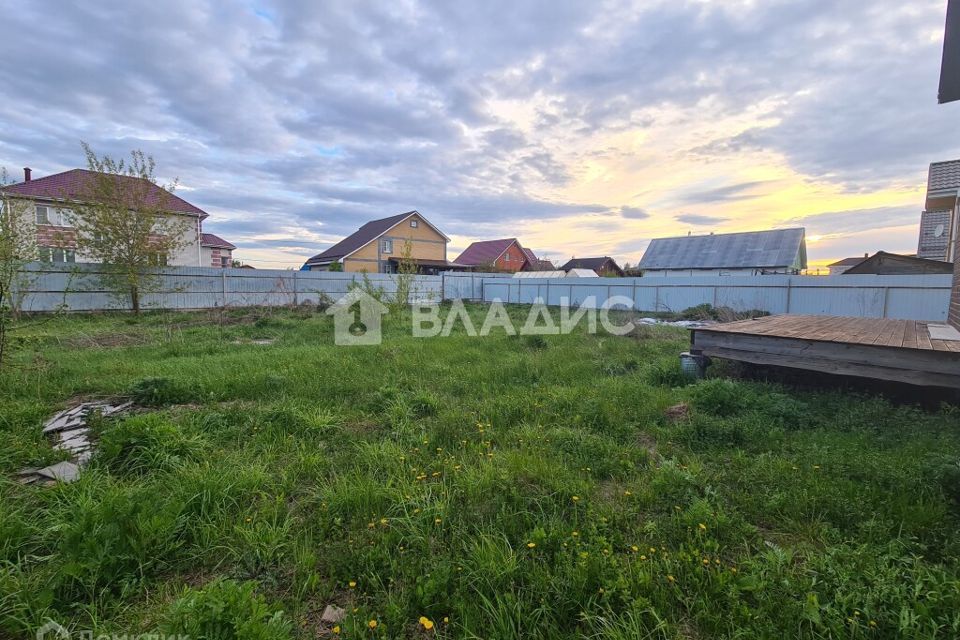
column 211, row 240
column 487, row 251
column 589, row 263
column 775, row 248
column 71, row 185
column 365, row 235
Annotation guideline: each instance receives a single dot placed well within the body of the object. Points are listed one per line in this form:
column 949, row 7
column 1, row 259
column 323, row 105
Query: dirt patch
column 106, row 340
column 678, row 412
column 649, row 443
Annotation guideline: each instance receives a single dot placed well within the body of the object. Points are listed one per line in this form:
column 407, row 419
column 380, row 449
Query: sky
column 581, row 128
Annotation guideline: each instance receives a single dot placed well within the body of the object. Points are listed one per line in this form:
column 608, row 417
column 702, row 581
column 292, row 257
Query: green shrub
column 226, row 610
column 146, row 443
column 720, row 397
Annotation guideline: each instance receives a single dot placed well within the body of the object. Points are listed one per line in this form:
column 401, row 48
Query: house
column 381, row 246
column 495, row 255
column 950, row 65
column 892, row 264
column 727, row 254
column 841, row 266
column 537, row 264
column 51, row 196
column 582, row 273
column 940, row 219
column 603, row 266
column 215, row 251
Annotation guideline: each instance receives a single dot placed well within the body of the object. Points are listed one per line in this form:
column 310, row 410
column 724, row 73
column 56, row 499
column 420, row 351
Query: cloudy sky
column 583, row 128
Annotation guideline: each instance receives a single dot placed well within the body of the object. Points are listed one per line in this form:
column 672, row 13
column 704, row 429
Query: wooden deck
column 898, row 350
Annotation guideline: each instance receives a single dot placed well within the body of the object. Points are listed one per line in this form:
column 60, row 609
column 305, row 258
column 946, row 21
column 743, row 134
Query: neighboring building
column 379, row 245
column 499, row 255
column 51, row 197
column 554, row 273
column 892, row 264
column 954, row 310
column 604, row 266
column 940, row 219
column 215, row 251
column 582, row 273
column 841, row 266
column 727, row 254
column 537, row 264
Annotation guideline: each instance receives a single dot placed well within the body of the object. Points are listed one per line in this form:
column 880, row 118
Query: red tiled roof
column 210, row 240
column 485, row 251
column 71, row 185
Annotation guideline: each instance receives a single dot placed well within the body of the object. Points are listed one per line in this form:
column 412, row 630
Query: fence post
column 656, row 298
column 296, row 290
column 886, row 300
column 223, row 288
column 789, row 291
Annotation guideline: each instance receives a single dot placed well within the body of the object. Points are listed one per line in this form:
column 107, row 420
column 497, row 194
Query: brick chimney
column 26, row 174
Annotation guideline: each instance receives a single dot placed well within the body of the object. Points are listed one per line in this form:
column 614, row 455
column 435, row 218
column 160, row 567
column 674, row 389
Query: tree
column 406, row 269
column 336, row 265
column 18, row 246
column 123, row 220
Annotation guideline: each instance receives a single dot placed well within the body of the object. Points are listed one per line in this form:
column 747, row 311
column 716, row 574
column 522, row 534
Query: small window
column 386, row 246
column 506, row 257
column 43, row 215
column 225, row 262
column 414, row 224
column 157, row 259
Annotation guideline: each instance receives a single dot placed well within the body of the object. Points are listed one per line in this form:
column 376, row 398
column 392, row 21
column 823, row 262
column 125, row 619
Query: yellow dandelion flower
column 872, row 623
column 437, row 520
column 635, row 548
column 643, row 557
column 671, row 579
column 336, row 629
column 627, row 493
column 706, row 561
column 575, row 534
column 702, row 527
column 427, row 623
column 352, row 584
column 446, row 620
column 383, row 521
column 653, row 550
column 575, row 498
column 531, row 545
column 372, row 624
column 733, row 569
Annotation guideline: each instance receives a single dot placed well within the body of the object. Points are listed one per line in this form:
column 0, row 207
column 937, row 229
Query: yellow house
column 380, row 245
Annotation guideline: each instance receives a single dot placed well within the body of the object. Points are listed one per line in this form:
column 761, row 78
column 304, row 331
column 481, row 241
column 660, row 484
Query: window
column 225, row 262
column 386, row 246
column 157, row 259
column 43, row 215
column 57, row 254
column 506, row 257
column 414, row 224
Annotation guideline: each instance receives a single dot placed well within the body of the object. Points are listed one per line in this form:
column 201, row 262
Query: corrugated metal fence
column 869, row 296
column 76, row 288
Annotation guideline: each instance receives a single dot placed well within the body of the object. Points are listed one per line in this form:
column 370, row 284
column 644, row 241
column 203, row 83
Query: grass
column 498, row 487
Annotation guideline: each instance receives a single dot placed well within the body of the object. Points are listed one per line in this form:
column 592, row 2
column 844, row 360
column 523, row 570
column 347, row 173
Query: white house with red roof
column 50, row 199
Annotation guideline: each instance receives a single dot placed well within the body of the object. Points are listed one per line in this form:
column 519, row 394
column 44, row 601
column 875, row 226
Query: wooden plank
column 923, row 336
column 910, row 336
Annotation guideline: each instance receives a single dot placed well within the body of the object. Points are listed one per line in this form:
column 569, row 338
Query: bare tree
column 123, row 220
column 18, row 246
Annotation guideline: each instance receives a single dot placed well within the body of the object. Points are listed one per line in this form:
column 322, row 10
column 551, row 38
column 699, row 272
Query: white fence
column 870, row 296
column 77, row 288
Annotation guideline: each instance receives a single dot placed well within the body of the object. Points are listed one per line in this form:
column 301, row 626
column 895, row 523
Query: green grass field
column 498, row 487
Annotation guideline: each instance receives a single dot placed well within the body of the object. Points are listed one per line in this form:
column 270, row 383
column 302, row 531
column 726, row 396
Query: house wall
column 512, row 260
column 425, row 244
column 954, row 312
column 686, row 273
column 211, row 256
column 64, row 236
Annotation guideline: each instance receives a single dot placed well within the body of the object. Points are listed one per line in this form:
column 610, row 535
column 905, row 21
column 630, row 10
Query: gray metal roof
column 944, row 176
column 773, row 249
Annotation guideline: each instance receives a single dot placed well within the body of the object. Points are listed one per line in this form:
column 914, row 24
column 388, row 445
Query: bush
column 226, row 610
column 154, row 392
column 146, row 443
column 720, row 397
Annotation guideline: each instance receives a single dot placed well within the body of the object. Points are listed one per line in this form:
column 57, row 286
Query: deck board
column 887, row 349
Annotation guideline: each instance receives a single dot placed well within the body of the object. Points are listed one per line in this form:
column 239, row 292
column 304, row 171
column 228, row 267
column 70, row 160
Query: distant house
column 892, row 264
column 500, row 255
column 727, row 254
column 940, row 220
column 603, row 266
column 379, row 245
column 215, row 251
column 582, row 273
column 52, row 199
column 841, row 266
column 537, row 264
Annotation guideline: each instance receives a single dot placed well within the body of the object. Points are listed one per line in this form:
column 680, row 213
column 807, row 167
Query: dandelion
column 702, row 527
column 426, row 623
column 446, row 620
column 627, row 493
column 383, row 521
column 372, row 624
column 249, row 519
column 435, row 474
column 575, row 534
column 872, row 623
column 336, row 629
column 653, row 549
column 706, row 562
column 531, row 545
column 643, row 557
column 352, row 584
column 575, row 498
column 671, row 579
column 733, row 569
column 437, row 520
column 817, row 467
column 635, row 548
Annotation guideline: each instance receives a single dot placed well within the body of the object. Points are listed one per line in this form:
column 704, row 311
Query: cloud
column 700, row 220
column 726, row 193
column 634, row 213
column 856, row 221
